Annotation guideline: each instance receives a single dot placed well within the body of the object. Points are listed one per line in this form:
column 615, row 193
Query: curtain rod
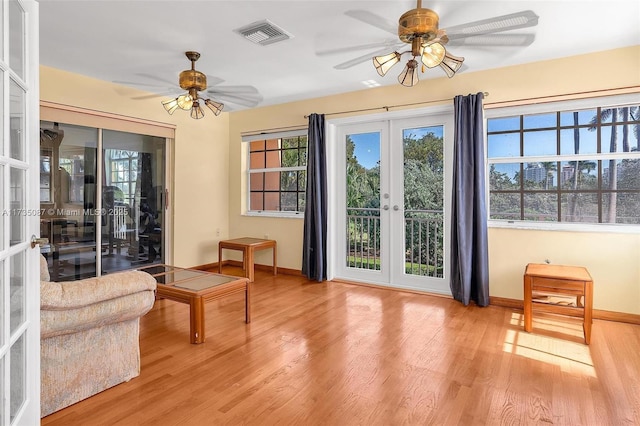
column 549, row 98
column 386, row 108
column 275, row 129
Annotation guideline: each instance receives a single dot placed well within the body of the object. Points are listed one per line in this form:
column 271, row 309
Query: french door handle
column 396, row 208
column 35, row 241
column 386, row 207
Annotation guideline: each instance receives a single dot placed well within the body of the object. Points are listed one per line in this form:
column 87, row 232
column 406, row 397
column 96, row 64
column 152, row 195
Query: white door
column 394, row 177
column 19, row 262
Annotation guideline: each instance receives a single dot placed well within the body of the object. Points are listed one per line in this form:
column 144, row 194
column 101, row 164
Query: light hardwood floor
column 341, row 354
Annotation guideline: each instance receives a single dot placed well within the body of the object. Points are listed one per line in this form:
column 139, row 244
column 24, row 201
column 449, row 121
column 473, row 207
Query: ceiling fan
column 419, row 28
column 195, row 83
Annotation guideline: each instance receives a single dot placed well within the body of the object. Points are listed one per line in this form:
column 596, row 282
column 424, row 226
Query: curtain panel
column 314, row 250
column 469, row 247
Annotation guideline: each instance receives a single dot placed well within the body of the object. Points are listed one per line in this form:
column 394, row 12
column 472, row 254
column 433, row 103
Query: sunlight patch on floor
column 552, row 341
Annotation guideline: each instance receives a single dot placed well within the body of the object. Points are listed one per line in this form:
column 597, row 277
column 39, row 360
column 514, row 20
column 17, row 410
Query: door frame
column 334, row 146
column 29, row 329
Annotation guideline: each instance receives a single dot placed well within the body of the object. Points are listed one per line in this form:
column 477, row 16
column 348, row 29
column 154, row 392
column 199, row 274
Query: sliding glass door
column 102, row 196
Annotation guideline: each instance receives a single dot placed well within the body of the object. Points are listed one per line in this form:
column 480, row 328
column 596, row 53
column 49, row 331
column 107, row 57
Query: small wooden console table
column 573, row 281
column 248, row 245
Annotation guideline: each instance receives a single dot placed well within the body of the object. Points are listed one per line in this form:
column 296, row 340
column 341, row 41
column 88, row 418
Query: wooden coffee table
column 195, row 288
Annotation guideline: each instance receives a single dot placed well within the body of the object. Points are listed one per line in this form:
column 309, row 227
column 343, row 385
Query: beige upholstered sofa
column 90, row 334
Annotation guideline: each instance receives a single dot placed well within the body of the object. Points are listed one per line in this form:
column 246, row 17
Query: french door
column 391, row 218
column 19, row 263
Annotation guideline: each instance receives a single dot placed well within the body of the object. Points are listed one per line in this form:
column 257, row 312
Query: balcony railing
column 424, row 240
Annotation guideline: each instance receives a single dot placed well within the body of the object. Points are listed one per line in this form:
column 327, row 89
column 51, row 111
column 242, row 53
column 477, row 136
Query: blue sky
column 367, row 145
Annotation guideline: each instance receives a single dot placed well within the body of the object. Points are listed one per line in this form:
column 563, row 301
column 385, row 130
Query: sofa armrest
column 78, row 294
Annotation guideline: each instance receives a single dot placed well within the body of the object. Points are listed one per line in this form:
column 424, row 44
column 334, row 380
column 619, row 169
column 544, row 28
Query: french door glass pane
column 16, row 116
column 424, row 200
column 133, row 199
column 363, row 200
column 68, row 176
column 17, row 284
column 17, row 211
column 18, row 366
column 16, row 38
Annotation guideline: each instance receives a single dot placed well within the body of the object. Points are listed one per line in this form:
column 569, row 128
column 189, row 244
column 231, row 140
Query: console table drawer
column 554, row 284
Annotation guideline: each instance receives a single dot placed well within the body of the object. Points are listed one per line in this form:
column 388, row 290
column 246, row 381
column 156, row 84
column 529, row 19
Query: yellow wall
column 200, row 184
column 613, row 259
column 210, row 184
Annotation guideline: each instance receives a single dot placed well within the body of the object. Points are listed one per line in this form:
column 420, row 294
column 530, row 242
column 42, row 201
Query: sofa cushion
column 77, row 294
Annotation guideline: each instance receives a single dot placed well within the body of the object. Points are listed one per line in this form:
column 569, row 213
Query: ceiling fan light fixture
column 214, row 106
column 384, row 63
column 196, row 110
column 171, row 105
column 433, row 54
column 451, row 64
column 409, row 76
column 185, row 102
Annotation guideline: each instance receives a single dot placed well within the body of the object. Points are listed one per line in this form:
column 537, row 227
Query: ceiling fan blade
column 212, row 80
column 160, row 79
column 495, row 40
column 240, row 95
column 360, row 59
column 512, row 21
column 373, row 19
column 389, row 43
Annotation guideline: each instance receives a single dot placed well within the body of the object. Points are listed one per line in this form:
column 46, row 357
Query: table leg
column 196, row 310
column 528, row 320
column 247, row 302
column 588, row 314
column 250, row 265
column 275, row 261
column 219, row 258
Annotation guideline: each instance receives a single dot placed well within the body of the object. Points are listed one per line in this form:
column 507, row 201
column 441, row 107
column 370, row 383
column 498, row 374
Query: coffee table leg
column 196, row 309
column 247, row 302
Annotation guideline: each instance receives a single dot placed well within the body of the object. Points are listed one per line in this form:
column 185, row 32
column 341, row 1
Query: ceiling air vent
column 263, row 32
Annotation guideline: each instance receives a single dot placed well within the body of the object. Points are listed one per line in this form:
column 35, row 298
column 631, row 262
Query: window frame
column 249, row 171
column 616, row 101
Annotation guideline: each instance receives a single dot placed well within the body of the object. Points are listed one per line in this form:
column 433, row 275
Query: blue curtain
column 469, row 256
column 314, row 257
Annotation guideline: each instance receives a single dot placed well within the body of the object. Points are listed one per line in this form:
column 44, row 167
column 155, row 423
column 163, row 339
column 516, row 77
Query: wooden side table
column 573, row 281
column 248, row 246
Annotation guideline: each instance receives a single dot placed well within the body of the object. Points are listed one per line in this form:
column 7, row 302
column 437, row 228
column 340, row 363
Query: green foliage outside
column 424, row 198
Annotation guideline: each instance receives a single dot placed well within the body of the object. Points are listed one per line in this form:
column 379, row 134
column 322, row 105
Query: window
column 573, row 162
column 277, row 173
column 123, row 171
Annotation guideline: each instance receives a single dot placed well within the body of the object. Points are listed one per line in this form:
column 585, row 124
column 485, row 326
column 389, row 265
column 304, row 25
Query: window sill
column 282, row 215
column 566, row 227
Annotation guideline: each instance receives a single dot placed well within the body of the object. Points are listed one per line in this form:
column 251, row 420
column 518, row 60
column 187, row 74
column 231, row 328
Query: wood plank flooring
column 342, row 354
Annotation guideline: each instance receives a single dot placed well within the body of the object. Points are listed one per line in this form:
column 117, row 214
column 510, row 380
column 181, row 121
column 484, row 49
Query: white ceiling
column 143, row 42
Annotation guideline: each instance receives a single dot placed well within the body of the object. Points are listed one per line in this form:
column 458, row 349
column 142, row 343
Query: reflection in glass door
column 396, row 198
column 100, row 189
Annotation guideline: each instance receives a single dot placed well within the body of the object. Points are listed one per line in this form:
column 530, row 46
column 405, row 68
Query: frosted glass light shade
column 451, row 64
column 433, row 54
column 196, row 111
column 171, row 105
column 185, row 102
column 409, row 76
column 385, row 62
column 214, row 106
